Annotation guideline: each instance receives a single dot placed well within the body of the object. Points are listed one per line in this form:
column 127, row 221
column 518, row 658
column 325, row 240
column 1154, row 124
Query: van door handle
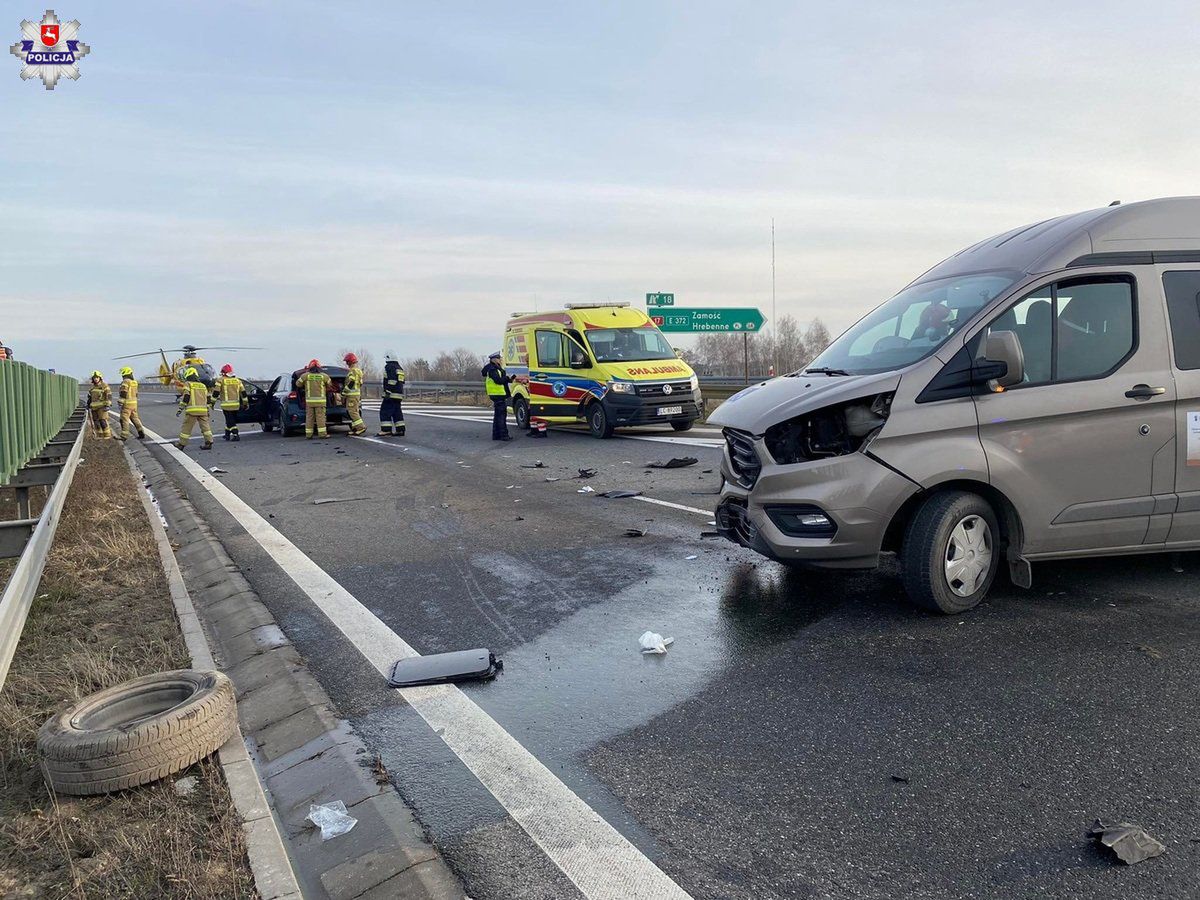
column 1144, row 392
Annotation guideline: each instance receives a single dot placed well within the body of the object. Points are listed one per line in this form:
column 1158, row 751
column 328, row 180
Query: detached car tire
column 137, row 732
column 951, row 552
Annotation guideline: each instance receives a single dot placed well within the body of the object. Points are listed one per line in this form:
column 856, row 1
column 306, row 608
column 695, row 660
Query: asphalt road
column 807, row 735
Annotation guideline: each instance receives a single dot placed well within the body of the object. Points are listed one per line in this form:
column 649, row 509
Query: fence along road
column 41, row 436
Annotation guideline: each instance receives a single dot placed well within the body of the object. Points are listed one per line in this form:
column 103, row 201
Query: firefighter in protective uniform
column 352, row 391
column 99, row 400
column 315, row 384
column 127, row 399
column 194, row 403
column 391, row 410
column 229, row 391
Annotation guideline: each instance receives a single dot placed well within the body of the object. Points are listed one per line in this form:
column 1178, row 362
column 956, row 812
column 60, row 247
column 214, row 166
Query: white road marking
column 707, row 513
column 591, row 853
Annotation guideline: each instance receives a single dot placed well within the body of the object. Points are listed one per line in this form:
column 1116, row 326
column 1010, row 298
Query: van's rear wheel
column 951, row 552
column 521, row 412
column 598, row 421
column 685, row 425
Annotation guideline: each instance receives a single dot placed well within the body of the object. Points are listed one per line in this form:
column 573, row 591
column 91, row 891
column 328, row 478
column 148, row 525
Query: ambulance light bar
column 596, row 305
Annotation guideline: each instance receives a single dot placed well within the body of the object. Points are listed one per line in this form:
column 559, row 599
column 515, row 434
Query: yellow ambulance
column 600, row 363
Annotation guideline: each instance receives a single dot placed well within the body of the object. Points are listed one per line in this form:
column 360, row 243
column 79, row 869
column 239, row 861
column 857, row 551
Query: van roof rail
column 596, row 305
column 528, row 312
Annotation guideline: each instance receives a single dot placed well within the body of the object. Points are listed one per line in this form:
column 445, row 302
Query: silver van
column 1035, row 396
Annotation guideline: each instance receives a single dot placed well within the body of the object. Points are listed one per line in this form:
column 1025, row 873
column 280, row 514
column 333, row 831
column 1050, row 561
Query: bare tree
column 417, row 369
column 816, row 339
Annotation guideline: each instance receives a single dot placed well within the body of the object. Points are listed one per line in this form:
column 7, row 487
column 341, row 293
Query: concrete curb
column 298, row 746
column 274, row 878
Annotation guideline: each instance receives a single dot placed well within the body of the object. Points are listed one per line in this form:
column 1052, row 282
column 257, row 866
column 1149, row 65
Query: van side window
column 551, row 349
column 1183, row 306
column 1073, row 330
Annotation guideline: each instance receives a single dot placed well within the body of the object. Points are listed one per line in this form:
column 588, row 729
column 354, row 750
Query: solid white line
column 708, row 513
column 589, row 851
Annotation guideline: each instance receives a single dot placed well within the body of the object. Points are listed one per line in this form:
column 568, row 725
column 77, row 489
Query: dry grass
column 104, row 615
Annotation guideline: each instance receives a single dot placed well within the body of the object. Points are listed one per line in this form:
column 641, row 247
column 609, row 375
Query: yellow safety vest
column 99, row 396
column 493, row 389
column 354, row 380
column 315, row 384
column 230, row 389
column 196, row 397
column 129, row 392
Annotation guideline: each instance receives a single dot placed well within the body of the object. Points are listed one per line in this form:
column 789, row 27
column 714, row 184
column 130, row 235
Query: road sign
column 745, row 320
column 660, row 299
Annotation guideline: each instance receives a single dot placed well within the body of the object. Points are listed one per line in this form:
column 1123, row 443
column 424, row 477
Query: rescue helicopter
column 172, row 372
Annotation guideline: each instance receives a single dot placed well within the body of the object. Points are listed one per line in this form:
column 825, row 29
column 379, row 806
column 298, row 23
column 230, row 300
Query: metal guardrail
column 33, row 406
column 29, row 538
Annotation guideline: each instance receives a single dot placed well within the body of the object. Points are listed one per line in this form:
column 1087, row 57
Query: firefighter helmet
column 350, row 359
column 126, row 370
column 227, row 369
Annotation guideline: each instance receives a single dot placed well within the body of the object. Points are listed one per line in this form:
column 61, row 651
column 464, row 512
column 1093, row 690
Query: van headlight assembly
column 833, row 431
column 695, row 382
column 621, row 387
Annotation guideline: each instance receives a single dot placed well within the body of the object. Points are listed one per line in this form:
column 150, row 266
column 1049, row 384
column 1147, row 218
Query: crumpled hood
column 760, row 406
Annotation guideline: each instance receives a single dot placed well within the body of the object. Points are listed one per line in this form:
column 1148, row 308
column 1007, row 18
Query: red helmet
column 314, row 364
column 227, row 369
column 350, row 358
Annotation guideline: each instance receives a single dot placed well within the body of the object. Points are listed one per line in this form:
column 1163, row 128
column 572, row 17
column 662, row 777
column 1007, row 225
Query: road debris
column 653, row 642
column 331, row 818
column 587, row 489
column 1132, row 844
column 675, row 462
column 323, row 500
column 708, row 534
column 635, row 532
column 619, row 495
column 551, row 478
column 1152, row 652
column 440, row 668
column 586, row 473
column 536, row 464
column 693, row 556
column 217, row 470
column 900, row 779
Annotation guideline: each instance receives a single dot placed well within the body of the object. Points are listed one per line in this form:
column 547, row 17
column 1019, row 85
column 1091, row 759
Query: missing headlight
column 832, row 431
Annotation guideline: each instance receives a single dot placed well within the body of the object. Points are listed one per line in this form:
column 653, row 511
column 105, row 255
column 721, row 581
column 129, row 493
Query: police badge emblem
column 50, row 50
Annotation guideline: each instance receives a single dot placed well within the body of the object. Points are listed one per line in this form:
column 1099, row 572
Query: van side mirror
column 1003, row 363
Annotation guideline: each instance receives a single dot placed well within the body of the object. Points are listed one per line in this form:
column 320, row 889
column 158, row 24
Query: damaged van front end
column 800, row 482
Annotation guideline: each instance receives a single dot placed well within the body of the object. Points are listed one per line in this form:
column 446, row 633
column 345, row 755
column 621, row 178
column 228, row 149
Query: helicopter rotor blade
column 147, row 353
column 229, row 348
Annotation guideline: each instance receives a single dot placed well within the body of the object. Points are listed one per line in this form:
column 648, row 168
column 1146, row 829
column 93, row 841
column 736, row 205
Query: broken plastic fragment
column 620, row 495
column 217, row 470
column 653, row 642
column 324, row 500
column 536, row 464
column 675, row 462
column 331, row 818
column 635, row 532
column 693, row 556
column 1131, row 843
column 439, row 668
column 587, row 489
column 587, row 473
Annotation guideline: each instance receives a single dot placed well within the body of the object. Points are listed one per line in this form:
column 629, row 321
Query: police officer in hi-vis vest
column 496, row 382
column 315, row 384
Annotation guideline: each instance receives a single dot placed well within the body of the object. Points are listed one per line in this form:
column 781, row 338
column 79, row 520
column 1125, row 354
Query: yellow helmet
column 126, row 370
column 190, row 372
column 96, row 374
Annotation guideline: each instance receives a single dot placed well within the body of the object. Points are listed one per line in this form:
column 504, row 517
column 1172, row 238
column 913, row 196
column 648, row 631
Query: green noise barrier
column 34, row 406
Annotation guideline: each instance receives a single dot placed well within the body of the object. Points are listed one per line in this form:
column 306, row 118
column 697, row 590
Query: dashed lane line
column 596, row 857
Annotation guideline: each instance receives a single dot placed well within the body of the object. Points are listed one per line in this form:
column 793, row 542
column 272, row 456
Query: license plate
column 670, row 410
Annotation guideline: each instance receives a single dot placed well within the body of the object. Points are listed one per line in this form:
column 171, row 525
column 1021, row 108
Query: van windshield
column 628, row 344
column 913, row 324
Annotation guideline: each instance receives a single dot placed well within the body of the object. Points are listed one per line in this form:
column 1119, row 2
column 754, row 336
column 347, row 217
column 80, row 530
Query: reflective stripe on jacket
column 315, row 384
column 353, row 383
column 99, row 396
column 195, row 399
column 393, row 385
column 230, row 390
column 128, row 393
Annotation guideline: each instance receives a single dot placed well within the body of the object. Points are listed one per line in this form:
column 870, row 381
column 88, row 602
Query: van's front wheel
column 598, row 422
column 951, row 552
column 521, row 412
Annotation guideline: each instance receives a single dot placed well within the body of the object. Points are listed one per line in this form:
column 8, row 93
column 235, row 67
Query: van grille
column 743, row 458
column 681, row 389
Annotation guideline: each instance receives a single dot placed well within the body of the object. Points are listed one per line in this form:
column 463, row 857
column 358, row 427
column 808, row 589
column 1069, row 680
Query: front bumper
column 858, row 495
column 631, row 409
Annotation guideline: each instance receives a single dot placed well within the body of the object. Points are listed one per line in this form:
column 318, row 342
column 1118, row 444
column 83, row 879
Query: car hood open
column 760, row 406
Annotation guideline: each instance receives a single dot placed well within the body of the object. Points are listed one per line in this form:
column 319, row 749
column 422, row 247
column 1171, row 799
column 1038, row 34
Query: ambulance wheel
column 683, row 426
column 521, row 412
column 598, row 422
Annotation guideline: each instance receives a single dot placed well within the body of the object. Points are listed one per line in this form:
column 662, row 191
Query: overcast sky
column 304, row 176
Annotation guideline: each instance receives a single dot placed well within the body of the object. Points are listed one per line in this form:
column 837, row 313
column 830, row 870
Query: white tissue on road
column 331, row 818
column 586, row 490
column 653, row 642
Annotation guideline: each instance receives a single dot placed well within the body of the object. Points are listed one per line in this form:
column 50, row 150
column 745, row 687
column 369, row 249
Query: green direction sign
column 744, row 320
column 660, row 299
